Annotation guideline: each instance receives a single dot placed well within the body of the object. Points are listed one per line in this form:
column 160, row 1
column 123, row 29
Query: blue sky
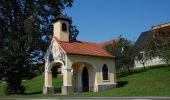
column 103, row 20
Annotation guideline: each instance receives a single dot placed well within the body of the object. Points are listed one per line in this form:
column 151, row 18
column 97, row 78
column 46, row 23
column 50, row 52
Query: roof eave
column 92, row 55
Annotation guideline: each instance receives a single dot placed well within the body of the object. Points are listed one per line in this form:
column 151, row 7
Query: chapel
column 85, row 66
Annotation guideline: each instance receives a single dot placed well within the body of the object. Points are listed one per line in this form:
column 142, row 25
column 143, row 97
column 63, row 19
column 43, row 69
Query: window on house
column 105, row 72
column 64, row 27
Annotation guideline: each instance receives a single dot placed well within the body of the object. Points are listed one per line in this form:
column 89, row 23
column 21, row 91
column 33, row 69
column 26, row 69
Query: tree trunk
column 128, row 69
column 124, row 68
column 167, row 62
column 144, row 65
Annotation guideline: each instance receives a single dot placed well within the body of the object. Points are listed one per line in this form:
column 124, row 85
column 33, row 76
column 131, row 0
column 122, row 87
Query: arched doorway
column 83, row 77
column 85, row 80
column 53, row 78
column 57, row 77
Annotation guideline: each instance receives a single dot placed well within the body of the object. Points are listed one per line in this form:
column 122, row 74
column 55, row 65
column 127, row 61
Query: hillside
column 154, row 81
column 35, row 85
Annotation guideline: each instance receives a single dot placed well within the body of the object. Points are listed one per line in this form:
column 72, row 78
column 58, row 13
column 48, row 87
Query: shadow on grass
column 56, row 90
column 33, row 93
column 158, row 66
column 121, row 84
column 126, row 73
column 140, row 70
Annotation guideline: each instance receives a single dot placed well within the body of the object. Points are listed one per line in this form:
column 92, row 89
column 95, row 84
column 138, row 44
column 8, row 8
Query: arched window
column 64, row 27
column 105, row 72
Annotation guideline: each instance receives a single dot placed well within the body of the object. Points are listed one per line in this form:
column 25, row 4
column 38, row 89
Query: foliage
column 165, row 55
column 125, row 53
column 159, row 45
column 25, row 31
column 73, row 32
column 39, row 70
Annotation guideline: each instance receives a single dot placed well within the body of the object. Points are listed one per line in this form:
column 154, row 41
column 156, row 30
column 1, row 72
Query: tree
column 125, row 53
column 73, row 32
column 142, row 58
column 25, row 31
column 165, row 55
column 159, row 45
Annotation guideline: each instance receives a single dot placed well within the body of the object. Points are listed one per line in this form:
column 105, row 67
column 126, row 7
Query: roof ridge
column 112, row 40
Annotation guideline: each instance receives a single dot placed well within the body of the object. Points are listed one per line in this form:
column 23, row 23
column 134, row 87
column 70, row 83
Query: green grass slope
column 35, row 85
column 2, row 87
column 151, row 82
column 154, row 81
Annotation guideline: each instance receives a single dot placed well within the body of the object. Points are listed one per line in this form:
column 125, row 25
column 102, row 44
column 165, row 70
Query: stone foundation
column 67, row 90
column 48, row 90
column 105, row 86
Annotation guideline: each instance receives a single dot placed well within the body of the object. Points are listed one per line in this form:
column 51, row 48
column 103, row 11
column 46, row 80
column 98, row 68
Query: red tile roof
column 83, row 48
column 110, row 42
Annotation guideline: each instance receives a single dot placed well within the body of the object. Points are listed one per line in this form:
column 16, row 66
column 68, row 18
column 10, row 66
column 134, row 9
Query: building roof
column 110, row 42
column 162, row 26
column 83, row 48
column 63, row 17
column 144, row 36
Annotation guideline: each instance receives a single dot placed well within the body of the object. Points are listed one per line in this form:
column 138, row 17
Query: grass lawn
column 34, row 86
column 154, row 81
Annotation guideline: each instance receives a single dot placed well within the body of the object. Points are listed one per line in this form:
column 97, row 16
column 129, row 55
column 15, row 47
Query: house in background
column 85, row 66
column 142, row 42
